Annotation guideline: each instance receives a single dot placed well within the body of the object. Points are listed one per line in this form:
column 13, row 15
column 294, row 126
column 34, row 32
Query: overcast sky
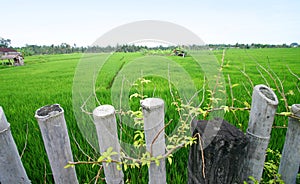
column 214, row 21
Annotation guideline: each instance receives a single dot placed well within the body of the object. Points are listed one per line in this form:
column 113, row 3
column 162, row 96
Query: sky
column 37, row 22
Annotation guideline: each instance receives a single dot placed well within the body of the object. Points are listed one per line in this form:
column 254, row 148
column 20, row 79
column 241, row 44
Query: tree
column 5, row 42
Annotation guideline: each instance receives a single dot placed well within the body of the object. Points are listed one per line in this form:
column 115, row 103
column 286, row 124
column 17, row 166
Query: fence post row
column 106, row 126
column 11, row 168
column 57, row 144
column 153, row 112
column 263, row 108
column 290, row 159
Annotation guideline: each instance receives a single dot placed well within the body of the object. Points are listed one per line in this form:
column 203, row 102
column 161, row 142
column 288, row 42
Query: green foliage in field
column 48, row 79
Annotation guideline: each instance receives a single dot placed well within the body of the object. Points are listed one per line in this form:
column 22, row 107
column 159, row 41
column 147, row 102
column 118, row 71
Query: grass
column 48, row 79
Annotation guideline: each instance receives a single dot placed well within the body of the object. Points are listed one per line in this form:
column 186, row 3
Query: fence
column 56, row 140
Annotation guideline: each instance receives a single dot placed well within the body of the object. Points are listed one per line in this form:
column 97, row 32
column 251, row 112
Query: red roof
column 7, row 50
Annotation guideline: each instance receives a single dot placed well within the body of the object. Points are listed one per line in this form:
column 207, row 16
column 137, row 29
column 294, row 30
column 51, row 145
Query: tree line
column 251, row 46
column 64, row 48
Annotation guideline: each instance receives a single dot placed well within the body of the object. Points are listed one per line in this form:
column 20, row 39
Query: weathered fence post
column 217, row 159
column 263, row 108
column 153, row 112
column 290, row 159
column 11, row 168
column 106, row 126
column 54, row 131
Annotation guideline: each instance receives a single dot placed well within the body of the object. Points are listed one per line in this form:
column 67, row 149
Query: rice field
column 48, row 79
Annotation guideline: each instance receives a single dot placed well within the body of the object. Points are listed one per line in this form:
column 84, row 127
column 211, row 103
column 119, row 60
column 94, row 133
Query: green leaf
column 137, row 165
column 119, row 167
column 68, row 166
column 144, row 163
column 226, row 108
column 286, row 113
column 135, row 95
column 101, row 158
column 157, row 162
column 170, row 160
column 109, row 150
column 247, row 104
column 145, row 81
column 222, row 91
column 235, row 85
column 113, row 153
column 291, row 92
column 159, row 157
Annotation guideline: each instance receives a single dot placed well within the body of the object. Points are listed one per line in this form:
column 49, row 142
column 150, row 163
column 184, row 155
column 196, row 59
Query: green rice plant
column 47, row 79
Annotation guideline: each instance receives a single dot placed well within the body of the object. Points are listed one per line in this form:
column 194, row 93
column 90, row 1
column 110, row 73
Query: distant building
column 179, row 52
column 294, row 45
column 14, row 57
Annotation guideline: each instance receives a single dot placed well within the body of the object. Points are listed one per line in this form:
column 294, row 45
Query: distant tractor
column 14, row 57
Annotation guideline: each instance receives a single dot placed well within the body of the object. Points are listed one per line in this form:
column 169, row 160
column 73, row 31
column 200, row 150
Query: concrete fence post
column 11, row 167
column 263, row 108
column 153, row 112
column 290, row 159
column 106, row 126
column 56, row 141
